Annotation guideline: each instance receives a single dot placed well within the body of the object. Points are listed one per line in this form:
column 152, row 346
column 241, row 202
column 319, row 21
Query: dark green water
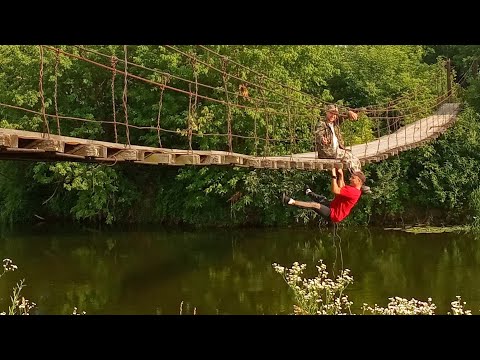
column 151, row 271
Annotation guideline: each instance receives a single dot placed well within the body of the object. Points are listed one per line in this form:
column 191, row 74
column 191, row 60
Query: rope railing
column 318, row 103
column 366, row 110
column 290, row 122
column 170, row 76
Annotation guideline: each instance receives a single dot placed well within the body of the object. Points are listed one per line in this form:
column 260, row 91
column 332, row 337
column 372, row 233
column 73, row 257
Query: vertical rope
column 127, row 128
column 114, row 61
column 351, row 139
column 414, row 126
column 335, row 235
column 57, row 60
column 45, row 121
column 405, row 125
column 294, row 133
column 388, row 125
column 365, row 139
column 160, row 104
column 292, row 137
column 416, row 111
column 312, row 134
column 443, row 81
column 189, row 120
column 439, row 89
column 195, row 74
column 378, row 132
column 257, row 113
column 195, row 100
column 266, row 150
column 397, row 127
column 229, row 113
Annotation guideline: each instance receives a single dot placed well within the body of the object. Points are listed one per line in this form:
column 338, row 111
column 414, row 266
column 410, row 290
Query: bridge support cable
column 124, row 98
column 160, row 105
column 114, row 61
column 190, row 117
column 193, row 104
column 266, row 150
column 57, row 60
column 46, row 128
column 272, row 120
column 229, row 112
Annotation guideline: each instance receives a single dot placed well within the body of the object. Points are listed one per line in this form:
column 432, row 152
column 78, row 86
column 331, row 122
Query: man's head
column 357, row 179
column 332, row 113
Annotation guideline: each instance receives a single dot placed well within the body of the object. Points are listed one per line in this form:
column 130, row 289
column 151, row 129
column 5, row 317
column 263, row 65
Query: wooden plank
column 296, row 165
column 283, row 164
column 47, row 145
column 255, row 163
column 403, row 139
column 212, row 159
column 95, row 151
column 268, row 164
column 309, row 165
column 319, row 166
column 192, row 159
column 158, row 158
column 233, row 159
column 8, row 141
column 128, row 155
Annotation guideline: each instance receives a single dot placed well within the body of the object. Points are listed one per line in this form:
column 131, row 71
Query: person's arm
column 335, row 188
column 340, row 178
column 352, row 115
column 321, row 133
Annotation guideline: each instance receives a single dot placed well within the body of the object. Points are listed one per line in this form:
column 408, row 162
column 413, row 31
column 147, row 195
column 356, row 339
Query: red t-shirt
column 344, row 202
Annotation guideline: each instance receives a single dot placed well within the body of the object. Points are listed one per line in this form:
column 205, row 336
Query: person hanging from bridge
column 329, row 140
column 346, row 197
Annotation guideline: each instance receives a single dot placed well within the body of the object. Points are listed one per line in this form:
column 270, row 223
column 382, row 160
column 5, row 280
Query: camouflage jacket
column 326, row 151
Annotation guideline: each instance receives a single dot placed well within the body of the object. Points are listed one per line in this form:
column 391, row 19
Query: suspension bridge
column 249, row 119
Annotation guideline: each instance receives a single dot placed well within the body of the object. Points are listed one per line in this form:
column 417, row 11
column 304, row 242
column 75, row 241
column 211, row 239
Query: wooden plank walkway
column 28, row 145
column 407, row 137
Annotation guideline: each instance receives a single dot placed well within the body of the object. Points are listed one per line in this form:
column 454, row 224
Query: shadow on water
column 152, row 270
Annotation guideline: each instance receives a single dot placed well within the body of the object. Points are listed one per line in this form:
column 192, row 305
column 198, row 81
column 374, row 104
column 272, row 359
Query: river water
column 171, row 271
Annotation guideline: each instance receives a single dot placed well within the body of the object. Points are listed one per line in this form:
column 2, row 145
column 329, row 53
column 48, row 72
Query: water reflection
column 152, row 271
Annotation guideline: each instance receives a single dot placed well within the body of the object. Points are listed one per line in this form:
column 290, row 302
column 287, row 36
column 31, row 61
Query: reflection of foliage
column 230, row 272
column 393, row 273
column 85, row 296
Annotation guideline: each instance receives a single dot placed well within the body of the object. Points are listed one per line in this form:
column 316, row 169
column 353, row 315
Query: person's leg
column 305, row 204
column 319, row 198
column 316, row 197
column 318, row 208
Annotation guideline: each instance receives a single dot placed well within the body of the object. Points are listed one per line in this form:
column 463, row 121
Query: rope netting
column 200, row 99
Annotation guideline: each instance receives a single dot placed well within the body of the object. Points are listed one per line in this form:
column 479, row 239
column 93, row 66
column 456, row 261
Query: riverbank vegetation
column 324, row 295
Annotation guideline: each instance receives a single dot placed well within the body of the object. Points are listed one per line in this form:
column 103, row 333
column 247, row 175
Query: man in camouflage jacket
column 328, row 137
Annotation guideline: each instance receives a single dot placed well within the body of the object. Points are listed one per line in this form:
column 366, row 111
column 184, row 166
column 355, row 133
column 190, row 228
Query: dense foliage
column 437, row 182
